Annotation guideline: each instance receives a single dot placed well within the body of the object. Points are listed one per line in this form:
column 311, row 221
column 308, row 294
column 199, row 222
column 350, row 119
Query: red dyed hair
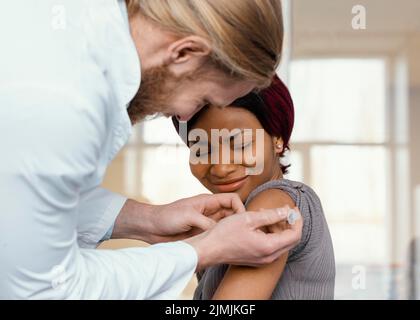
column 274, row 109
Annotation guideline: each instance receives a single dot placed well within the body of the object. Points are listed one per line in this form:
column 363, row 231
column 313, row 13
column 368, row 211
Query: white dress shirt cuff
column 184, row 259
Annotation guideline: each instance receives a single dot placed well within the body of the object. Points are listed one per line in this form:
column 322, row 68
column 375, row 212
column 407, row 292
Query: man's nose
column 188, row 117
column 184, row 118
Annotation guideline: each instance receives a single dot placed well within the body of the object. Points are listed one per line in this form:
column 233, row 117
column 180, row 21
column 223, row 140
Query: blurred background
column 353, row 68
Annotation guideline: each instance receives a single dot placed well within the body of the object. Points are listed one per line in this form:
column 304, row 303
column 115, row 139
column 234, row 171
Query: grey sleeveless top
column 309, row 273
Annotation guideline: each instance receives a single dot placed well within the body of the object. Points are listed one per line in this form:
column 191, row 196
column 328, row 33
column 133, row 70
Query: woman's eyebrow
column 236, row 133
column 242, row 134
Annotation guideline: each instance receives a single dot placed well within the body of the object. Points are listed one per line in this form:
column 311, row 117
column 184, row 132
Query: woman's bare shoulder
column 270, row 199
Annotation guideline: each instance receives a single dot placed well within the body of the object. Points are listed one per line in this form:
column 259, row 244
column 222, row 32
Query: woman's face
column 230, row 176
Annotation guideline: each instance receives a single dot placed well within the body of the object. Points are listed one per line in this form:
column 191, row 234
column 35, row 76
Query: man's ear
column 187, row 54
column 278, row 145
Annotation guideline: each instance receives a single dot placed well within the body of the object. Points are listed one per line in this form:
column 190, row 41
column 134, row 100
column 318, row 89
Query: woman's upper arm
column 249, row 283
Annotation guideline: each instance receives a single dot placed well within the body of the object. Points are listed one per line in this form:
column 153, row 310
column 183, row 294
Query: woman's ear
column 278, row 145
column 187, row 54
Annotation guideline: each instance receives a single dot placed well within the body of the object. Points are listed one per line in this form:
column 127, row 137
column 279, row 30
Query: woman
column 307, row 271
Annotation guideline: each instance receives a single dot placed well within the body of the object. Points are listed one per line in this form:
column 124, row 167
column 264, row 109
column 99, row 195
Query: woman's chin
column 243, row 191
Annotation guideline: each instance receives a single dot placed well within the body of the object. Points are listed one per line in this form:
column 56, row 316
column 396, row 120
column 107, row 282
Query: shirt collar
column 124, row 13
column 123, row 66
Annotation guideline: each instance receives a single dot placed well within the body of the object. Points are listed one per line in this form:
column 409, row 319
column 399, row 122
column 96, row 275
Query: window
column 341, row 140
column 339, row 100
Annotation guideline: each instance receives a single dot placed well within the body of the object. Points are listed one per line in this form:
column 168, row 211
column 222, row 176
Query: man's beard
column 154, row 95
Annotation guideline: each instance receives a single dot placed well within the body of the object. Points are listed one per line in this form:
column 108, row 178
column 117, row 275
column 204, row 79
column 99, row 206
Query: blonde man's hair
column 246, row 35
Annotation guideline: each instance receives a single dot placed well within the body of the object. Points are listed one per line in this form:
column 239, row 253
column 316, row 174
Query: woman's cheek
column 200, row 171
column 196, row 171
column 249, row 156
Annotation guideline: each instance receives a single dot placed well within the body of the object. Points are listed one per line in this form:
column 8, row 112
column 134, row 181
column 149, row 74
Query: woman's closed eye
column 242, row 146
column 199, row 149
column 201, row 153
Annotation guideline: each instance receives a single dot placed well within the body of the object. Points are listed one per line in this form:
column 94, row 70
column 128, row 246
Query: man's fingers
column 229, row 202
column 221, row 214
column 286, row 240
column 266, row 218
column 202, row 222
column 237, row 204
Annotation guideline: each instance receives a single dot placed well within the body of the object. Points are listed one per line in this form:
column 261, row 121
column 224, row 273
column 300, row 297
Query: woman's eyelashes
column 242, row 146
column 207, row 150
column 201, row 153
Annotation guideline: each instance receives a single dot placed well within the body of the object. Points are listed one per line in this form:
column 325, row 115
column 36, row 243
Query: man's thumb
column 202, row 222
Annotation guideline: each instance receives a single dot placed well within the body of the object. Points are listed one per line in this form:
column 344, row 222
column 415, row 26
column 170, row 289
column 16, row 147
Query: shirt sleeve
column 47, row 164
column 98, row 211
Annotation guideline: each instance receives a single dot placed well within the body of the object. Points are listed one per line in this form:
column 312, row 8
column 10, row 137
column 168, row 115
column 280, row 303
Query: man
column 69, row 92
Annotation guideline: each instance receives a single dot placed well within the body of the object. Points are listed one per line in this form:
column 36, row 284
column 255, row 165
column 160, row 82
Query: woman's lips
column 230, row 186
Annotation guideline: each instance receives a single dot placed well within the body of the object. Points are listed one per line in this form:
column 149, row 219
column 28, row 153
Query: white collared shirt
column 68, row 70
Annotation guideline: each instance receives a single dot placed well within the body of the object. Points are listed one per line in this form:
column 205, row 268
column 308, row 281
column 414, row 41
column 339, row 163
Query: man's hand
column 176, row 221
column 189, row 217
column 239, row 239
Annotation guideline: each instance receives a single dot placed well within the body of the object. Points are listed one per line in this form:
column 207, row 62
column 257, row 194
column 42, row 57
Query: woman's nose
column 222, row 170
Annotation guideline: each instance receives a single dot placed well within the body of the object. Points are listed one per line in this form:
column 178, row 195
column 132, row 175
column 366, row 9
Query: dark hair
column 273, row 107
